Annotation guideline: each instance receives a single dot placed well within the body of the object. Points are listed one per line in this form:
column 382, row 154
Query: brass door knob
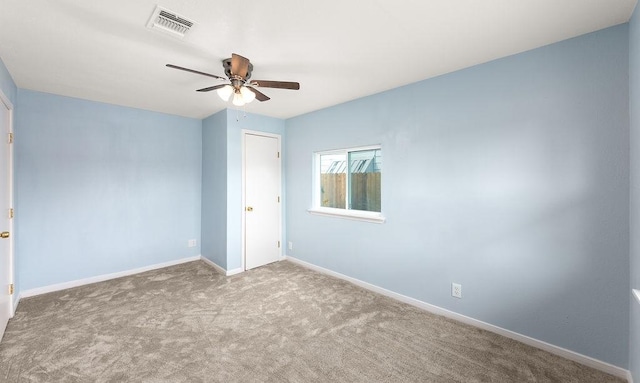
column 4, row 234
column 249, row 208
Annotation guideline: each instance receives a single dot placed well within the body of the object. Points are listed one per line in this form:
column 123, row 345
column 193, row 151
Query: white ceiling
column 338, row 50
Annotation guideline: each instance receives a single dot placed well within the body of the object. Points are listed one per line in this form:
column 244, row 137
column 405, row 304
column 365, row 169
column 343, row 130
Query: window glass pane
column 365, row 172
column 333, row 179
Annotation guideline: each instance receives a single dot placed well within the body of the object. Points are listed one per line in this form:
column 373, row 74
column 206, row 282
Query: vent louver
column 167, row 21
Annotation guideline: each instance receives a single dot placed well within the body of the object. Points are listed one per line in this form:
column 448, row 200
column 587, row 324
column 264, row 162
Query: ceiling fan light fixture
column 247, row 94
column 225, row 92
column 238, row 100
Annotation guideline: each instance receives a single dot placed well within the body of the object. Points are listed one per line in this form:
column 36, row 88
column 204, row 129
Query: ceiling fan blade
column 239, row 65
column 195, row 71
column 259, row 95
column 209, row 89
column 276, row 84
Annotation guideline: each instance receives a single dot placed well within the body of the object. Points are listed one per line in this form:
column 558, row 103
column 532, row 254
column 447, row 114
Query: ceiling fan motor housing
column 226, row 63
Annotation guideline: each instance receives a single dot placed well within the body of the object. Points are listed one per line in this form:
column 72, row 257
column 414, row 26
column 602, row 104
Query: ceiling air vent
column 170, row 22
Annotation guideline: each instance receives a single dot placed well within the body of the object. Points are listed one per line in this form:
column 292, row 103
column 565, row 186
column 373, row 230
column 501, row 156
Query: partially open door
column 6, row 214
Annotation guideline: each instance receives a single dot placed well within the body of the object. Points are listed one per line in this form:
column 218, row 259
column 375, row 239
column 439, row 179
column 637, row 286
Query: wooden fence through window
column 365, row 190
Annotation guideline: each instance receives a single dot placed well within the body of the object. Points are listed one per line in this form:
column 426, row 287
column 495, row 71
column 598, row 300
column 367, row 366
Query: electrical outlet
column 456, row 290
column 290, row 245
column 191, row 243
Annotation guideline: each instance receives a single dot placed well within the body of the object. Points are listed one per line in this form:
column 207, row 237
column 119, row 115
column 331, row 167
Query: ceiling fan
column 238, row 71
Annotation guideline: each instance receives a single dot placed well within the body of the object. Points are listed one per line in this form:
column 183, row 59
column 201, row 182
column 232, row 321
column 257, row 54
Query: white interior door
column 5, row 222
column 262, row 185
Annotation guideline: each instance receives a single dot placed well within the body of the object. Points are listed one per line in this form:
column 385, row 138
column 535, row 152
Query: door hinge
column 278, row 244
column 278, row 198
column 10, row 213
column 278, row 154
column 10, row 138
column 11, row 289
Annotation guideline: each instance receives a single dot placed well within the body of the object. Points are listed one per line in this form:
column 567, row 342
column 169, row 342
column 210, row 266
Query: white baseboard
column 221, row 269
column 101, row 278
column 16, row 300
column 563, row 352
column 234, row 271
column 218, row 268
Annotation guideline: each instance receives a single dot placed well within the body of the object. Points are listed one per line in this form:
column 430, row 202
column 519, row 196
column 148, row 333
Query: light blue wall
column 214, row 188
column 6, row 84
column 236, row 122
column 102, row 188
column 634, row 112
column 510, row 178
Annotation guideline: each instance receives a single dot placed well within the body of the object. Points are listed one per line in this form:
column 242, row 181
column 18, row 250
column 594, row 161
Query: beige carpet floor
column 278, row 323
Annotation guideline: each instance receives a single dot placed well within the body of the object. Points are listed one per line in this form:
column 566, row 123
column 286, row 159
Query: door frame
column 246, row 132
column 12, row 302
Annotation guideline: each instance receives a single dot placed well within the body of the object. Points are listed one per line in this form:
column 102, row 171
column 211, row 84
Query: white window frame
column 316, row 206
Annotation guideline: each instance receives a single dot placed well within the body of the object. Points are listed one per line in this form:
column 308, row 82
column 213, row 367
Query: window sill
column 366, row 216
